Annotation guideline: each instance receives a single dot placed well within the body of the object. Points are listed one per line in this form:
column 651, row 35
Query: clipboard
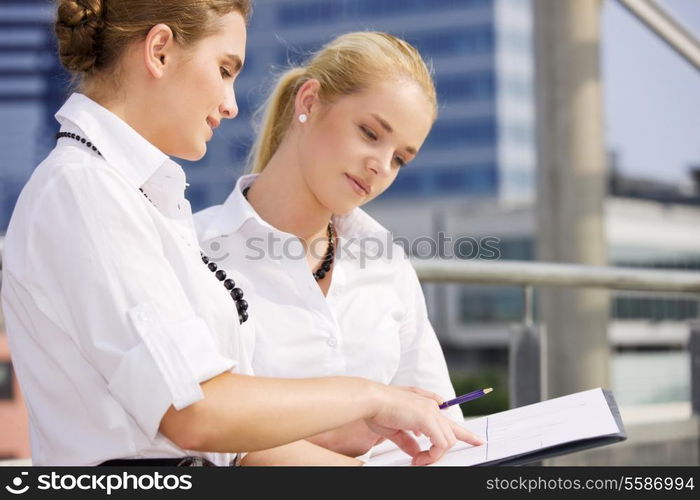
column 572, row 446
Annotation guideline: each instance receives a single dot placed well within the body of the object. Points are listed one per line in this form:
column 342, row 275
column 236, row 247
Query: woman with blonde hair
column 129, row 349
column 332, row 293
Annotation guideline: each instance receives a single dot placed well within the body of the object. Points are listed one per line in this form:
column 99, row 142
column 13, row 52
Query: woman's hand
column 401, row 410
column 352, row 439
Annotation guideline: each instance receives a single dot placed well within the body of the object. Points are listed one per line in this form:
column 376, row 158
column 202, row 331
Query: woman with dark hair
column 128, row 343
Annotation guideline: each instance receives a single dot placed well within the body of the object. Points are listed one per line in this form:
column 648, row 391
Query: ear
column 158, row 49
column 307, row 99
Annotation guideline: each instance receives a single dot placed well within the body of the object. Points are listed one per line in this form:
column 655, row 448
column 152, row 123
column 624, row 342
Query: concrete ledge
column 670, row 443
column 674, row 443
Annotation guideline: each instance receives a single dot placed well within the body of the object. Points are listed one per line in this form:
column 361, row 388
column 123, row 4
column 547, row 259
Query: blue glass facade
column 308, row 13
column 466, row 86
column 32, row 87
column 459, row 37
column 286, row 32
column 458, row 179
column 477, row 40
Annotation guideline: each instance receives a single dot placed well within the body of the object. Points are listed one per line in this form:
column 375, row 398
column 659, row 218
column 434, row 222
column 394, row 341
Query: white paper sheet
column 522, row 430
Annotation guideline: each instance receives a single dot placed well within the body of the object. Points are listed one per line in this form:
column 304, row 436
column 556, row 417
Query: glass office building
column 32, row 86
column 481, row 146
column 483, row 142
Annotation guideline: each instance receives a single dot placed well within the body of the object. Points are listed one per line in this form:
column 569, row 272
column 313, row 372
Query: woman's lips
column 212, row 124
column 356, row 186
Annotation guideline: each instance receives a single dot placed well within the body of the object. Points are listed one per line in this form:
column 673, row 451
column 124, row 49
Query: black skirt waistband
column 159, row 462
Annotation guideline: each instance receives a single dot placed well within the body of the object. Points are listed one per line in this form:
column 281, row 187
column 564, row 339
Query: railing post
column 694, row 348
column 524, row 360
column 525, row 357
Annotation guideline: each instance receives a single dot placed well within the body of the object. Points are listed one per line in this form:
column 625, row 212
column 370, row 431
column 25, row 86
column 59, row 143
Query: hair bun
column 78, row 27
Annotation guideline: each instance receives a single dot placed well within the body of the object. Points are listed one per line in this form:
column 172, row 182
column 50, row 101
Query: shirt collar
column 121, row 146
column 233, row 213
column 358, row 224
column 236, row 211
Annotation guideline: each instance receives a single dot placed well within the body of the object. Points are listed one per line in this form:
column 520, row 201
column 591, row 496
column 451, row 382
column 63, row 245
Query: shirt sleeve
column 422, row 362
column 97, row 266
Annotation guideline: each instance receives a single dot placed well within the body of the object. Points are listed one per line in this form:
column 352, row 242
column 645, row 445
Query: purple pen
column 466, row 397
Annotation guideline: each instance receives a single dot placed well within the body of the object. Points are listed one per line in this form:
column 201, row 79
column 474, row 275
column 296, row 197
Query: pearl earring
column 303, row 117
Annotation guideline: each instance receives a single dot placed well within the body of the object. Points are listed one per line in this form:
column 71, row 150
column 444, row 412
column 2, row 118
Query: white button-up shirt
column 373, row 322
column 111, row 315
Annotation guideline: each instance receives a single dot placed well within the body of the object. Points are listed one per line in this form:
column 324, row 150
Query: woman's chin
column 194, row 153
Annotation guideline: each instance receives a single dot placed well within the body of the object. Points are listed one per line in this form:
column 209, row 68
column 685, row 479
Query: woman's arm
column 352, row 439
column 298, row 453
column 244, row 413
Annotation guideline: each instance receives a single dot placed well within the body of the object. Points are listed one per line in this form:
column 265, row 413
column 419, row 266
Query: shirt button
column 332, row 342
column 143, row 317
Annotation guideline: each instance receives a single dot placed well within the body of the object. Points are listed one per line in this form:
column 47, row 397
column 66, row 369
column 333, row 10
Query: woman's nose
column 229, row 108
column 380, row 165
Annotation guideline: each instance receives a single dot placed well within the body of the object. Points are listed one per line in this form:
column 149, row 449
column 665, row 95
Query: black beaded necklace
column 328, row 258
column 229, row 284
column 79, row 139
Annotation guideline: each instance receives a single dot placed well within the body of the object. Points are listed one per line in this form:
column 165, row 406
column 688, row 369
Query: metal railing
column 526, row 362
column 526, row 368
column 527, row 273
column 666, row 27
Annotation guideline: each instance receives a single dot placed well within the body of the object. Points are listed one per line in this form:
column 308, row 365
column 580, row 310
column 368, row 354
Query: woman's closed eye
column 225, row 72
column 369, row 133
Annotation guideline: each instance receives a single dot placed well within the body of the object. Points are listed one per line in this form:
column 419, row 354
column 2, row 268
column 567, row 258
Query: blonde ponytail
column 277, row 113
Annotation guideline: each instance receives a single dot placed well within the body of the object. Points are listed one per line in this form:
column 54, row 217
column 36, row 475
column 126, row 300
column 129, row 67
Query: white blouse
column 111, row 315
column 373, row 322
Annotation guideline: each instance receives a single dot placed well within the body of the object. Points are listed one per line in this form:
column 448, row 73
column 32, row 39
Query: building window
column 376, row 8
column 517, row 249
column 455, row 133
column 316, row 12
column 6, row 391
column 323, row 11
column 466, row 179
column 626, row 306
column 464, row 41
column 408, row 183
column 470, row 87
column 461, row 179
column 654, row 308
column 490, row 304
column 476, row 40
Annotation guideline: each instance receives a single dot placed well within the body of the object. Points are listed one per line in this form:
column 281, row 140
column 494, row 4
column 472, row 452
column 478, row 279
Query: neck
column 132, row 113
column 282, row 198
